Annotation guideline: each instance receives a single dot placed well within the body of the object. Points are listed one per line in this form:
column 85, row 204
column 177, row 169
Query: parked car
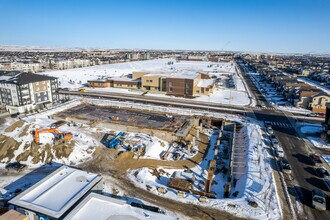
column 321, row 172
column 279, row 152
column 275, row 143
column 15, row 166
column 314, row 158
column 270, row 129
column 286, row 167
column 319, row 200
column 326, row 181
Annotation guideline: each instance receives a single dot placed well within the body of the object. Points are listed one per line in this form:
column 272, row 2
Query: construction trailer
column 50, row 135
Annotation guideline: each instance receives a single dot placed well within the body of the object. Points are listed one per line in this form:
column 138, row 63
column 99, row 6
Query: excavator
column 48, row 135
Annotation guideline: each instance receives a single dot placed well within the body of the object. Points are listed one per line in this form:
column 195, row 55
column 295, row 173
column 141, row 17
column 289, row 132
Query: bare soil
column 105, row 161
column 8, row 147
column 17, row 124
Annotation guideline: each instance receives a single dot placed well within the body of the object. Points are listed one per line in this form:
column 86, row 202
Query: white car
column 270, row 129
column 279, row 152
column 275, row 143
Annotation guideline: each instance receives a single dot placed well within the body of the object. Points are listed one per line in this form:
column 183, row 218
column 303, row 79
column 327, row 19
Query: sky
column 281, row 26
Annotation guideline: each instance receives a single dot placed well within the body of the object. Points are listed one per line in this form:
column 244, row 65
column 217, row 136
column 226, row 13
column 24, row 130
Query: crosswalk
column 268, row 108
column 279, row 124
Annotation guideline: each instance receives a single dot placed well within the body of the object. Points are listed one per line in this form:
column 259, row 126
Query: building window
column 170, row 84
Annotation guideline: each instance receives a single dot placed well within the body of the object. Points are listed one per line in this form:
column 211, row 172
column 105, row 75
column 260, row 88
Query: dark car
column 15, row 166
column 314, row 158
column 284, row 163
column 321, row 172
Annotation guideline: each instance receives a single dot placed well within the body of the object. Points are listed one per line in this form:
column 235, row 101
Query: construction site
column 187, row 158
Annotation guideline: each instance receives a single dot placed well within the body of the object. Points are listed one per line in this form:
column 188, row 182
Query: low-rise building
column 58, row 193
column 100, row 207
column 187, row 84
column 100, row 83
column 21, row 92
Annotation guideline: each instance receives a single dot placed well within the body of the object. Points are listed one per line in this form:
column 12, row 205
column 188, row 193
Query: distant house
column 58, row 193
column 314, row 100
column 318, row 102
column 22, row 92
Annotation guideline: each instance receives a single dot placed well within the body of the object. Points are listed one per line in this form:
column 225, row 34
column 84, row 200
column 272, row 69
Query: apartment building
column 22, row 92
column 29, row 67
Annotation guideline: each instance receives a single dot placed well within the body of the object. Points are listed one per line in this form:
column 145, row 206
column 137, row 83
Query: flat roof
column 58, row 192
column 96, row 206
column 205, row 83
column 185, row 75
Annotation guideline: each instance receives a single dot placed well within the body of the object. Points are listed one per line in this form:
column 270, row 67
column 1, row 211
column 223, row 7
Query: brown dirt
column 47, row 152
column 17, row 124
column 8, row 147
column 25, row 130
column 125, row 161
column 117, row 168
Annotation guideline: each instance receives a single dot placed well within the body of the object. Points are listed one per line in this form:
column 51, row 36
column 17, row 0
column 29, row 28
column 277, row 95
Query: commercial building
column 187, row 84
column 57, row 194
column 21, row 92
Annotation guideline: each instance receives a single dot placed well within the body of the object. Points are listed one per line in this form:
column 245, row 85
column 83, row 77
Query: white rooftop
column 57, row 192
column 96, row 206
column 185, row 75
column 205, row 83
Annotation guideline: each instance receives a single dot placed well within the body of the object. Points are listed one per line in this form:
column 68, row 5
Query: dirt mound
column 46, row 153
column 8, row 147
column 25, row 130
column 17, row 124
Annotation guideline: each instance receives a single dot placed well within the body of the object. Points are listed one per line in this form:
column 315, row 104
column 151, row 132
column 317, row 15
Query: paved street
column 296, row 152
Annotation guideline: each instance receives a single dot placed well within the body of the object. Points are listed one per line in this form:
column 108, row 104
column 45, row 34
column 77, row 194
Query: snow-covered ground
column 312, row 132
column 77, row 78
column 256, row 185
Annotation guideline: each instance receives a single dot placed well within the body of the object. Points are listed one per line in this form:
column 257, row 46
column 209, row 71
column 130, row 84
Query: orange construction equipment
column 56, row 133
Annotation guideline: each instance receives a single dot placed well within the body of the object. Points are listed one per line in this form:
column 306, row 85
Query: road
column 182, row 103
column 296, row 151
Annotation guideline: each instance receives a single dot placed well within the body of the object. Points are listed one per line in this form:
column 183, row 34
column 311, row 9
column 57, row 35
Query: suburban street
column 296, row 152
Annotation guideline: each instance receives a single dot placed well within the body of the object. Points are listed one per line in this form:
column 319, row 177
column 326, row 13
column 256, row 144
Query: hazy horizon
column 297, row 26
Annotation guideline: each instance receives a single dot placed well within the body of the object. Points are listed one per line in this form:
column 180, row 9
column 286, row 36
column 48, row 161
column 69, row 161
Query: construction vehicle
column 82, row 90
column 112, row 141
column 50, row 135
